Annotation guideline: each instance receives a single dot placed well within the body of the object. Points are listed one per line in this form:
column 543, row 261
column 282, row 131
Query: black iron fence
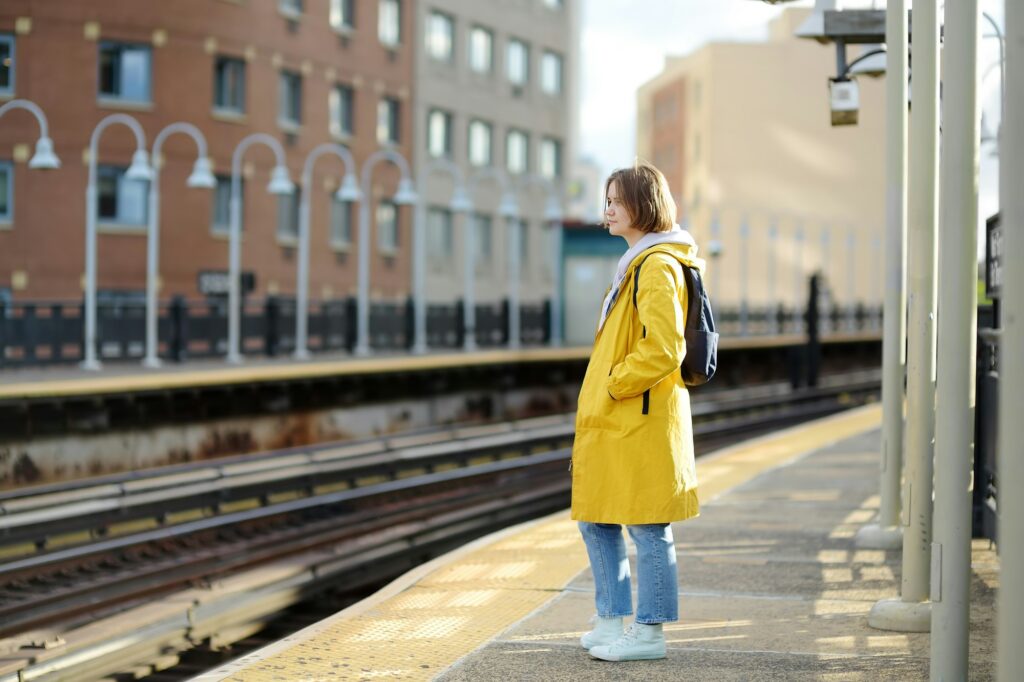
column 42, row 333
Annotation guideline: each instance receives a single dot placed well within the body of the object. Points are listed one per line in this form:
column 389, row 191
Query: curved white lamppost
column 139, row 170
column 347, row 191
column 201, row 177
column 460, row 203
column 281, row 185
column 44, row 158
column 405, row 196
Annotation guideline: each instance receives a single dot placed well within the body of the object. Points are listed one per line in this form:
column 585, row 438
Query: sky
column 623, row 44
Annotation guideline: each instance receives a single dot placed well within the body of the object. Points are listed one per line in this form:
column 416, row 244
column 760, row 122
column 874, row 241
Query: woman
column 632, row 461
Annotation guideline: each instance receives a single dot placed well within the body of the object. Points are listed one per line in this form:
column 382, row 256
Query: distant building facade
column 742, row 132
column 304, row 71
column 495, row 90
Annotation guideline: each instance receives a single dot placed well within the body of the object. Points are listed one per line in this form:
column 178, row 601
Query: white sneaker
column 606, row 631
column 640, row 642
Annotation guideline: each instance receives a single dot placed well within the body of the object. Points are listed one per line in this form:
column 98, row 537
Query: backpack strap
column 690, row 294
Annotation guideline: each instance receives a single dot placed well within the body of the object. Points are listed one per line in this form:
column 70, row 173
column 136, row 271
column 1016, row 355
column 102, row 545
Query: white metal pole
column 152, row 359
column 514, row 244
column 912, row 611
column 886, row 532
column 958, row 322
column 90, row 361
column 363, row 276
column 234, row 272
column 419, row 287
column 302, row 273
column 1010, row 610
column 468, row 281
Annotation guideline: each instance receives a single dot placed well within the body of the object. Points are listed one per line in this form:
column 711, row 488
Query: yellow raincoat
column 632, row 459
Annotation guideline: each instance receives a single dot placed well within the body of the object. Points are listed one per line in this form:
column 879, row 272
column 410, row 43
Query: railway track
column 167, row 563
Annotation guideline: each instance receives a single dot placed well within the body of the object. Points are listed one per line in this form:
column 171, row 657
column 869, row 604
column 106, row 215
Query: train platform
column 770, row 582
column 64, row 381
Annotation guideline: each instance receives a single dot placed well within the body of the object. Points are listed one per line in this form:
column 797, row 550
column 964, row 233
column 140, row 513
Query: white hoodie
column 677, row 235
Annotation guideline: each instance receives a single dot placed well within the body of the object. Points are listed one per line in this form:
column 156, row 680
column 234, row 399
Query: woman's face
column 620, row 223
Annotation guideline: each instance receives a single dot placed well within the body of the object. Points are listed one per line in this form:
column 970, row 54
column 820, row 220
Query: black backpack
column 701, row 359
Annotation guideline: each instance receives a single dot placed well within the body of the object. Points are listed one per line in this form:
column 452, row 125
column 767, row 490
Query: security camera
column 844, row 100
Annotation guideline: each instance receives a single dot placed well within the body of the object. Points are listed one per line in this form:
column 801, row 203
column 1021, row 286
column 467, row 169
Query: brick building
column 303, row 71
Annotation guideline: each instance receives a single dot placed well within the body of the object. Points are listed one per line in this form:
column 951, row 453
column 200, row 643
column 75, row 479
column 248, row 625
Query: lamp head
column 44, row 158
column 460, row 203
column 872, row 65
column 201, row 176
column 280, row 182
column 406, row 195
column 140, row 170
column 509, row 207
column 349, row 189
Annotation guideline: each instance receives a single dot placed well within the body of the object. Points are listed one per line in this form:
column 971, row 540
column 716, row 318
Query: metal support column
column 886, row 532
column 958, row 322
column 912, row 611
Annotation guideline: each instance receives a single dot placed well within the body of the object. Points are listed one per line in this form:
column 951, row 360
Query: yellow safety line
column 290, row 371
column 423, row 622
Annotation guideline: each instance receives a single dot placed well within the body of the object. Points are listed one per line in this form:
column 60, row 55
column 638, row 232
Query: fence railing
column 51, row 332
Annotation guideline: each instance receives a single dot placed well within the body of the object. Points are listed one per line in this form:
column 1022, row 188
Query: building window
column 439, row 236
column 553, row 4
column 517, row 152
column 481, row 50
column 119, row 200
column 229, row 85
column 696, row 147
column 6, row 191
column 484, row 239
column 441, row 37
column 343, row 14
column 550, row 157
column 517, row 61
column 695, row 96
column 387, row 227
column 389, row 24
column 288, row 215
column 524, row 244
column 551, row 73
column 221, row 222
column 289, row 103
column 341, row 102
column 479, row 143
column 388, row 119
column 6, row 64
column 439, row 134
column 341, row 223
column 125, row 73
column 290, row 8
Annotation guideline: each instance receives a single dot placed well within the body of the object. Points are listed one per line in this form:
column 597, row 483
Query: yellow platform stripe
column 431, row 617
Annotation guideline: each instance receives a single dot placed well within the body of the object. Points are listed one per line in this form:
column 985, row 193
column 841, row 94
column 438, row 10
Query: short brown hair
column 645, row 193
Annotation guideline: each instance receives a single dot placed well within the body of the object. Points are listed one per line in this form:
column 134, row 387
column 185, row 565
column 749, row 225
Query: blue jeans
column 657, row 588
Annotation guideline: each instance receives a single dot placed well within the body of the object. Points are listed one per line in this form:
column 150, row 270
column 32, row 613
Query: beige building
column 495, row 87
column 743, row 134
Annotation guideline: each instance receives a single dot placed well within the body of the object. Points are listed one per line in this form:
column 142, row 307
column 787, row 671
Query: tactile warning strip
column 416, row 633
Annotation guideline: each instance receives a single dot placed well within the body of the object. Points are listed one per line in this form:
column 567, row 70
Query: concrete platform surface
column 771, row 588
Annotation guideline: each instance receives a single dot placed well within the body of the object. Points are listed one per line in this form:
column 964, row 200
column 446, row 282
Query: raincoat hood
column 676, row 242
